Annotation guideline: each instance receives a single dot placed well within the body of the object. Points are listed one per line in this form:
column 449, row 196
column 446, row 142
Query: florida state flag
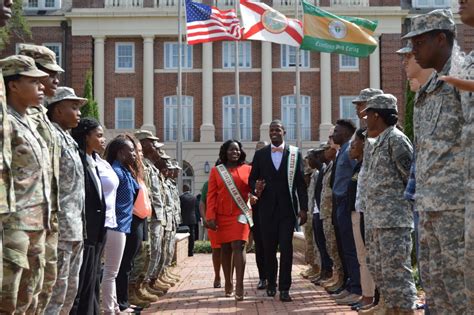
column 262, row 22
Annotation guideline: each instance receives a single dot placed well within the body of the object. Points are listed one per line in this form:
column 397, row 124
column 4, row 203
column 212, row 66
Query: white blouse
column 110, row 182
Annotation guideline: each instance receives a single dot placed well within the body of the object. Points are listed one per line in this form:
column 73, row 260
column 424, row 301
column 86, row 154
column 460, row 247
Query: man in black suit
column 278, row 209
column 188, row 215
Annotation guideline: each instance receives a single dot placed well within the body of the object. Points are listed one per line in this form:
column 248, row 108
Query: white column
column 266, row 91
column 208, row 129
column 99, row 64
column 326, row 99
column 374, row 66
column 148, row 84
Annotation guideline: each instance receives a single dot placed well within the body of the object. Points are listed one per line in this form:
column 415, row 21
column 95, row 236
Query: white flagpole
column 297, row 89
column 179, row 135
column 237, row 86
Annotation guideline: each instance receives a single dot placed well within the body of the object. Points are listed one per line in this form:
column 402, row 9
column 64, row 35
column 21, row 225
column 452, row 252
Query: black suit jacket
column 275, row 198
column 188, row 205
column 95, row 206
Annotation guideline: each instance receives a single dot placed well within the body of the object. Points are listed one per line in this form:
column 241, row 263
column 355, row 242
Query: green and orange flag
column 326, row 32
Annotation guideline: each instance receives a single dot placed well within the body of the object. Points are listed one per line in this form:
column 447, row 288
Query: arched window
column 188, row 175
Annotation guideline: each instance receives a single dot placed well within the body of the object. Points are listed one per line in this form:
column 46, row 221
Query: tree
column 410, row 100
column 91, row 108
column 17, row 26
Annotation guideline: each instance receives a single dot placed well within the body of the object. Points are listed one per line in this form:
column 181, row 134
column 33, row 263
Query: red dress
column 222, row 207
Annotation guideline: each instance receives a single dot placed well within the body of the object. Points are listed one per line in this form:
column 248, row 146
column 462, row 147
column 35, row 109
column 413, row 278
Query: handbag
column 142, row 205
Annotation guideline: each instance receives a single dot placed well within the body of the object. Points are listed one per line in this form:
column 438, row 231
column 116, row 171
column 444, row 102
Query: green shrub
column 202, row 247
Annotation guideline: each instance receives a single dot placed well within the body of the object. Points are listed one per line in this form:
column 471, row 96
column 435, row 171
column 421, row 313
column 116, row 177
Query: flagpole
column 179, row 135
column 237, row 86
column 297, row 88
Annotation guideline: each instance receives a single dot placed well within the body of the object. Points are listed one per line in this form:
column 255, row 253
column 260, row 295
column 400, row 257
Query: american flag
column 207, row 24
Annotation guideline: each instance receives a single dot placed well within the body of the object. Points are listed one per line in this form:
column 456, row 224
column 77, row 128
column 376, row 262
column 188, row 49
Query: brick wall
column 82, row 56
column 392, row 74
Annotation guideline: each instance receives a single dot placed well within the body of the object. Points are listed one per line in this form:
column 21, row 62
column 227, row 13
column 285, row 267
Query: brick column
column 266, row 91
column 326, row 90
column 148, row 74
column 99, row 75
column 208, row 129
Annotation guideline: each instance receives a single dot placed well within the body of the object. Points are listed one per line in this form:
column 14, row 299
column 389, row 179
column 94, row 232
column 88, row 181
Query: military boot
column 171, row 275
column 133, row 298
column 143, row 294
column 154, row 291
column 379, row 309
column 159, row 285
column 165, row 280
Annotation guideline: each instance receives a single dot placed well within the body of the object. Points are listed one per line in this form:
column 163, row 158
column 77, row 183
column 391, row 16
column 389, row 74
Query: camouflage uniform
column 167, row 225
column 156, row 222
column 176, row 219
column 438, row 121
column 312, row 252
column 326, row 215
column 467, row 101
column 71, row 225
column 389, row 213
column 23, row 244
column 7, row 193
column 47, row 59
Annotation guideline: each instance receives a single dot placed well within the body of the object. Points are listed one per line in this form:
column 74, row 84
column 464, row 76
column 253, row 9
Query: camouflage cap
column 64, row 93
column 145, row 134
column 441, row 19
column 176, row 165
column 163, row 154
column 322, row 147
column 169, row 165
column 405, row 50
column 365, row 94
column 21, row 65
column 382, row 101
column 42, row 55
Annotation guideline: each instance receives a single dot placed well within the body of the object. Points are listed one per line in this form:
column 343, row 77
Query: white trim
column 185, row 48
column 343, row 68
column 124, row 69
column 293, row 70
column 176, row 70
column 132, row 102
column 59, row 56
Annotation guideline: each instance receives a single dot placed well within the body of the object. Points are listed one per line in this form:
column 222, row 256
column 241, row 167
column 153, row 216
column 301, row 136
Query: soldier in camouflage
column 326, row 216
column 7, row 194
column 388, row 212
column 46, row 61
column 64, row 112
column 437, row 122
column 23, row 243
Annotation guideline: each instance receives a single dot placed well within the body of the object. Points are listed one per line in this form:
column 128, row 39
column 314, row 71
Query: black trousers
column 277, row 232
column 320, row 239
column 259, row 251
column 87, row 300
column 192, row 235
column 132, row 247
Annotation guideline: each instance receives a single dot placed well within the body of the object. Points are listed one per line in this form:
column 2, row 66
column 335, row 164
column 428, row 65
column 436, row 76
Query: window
column 171, row 118
column 229, row 119
column 124, row 57
column 228, row 55
column 124, row 113
column 431, row 4
column 42, row 4
column 57, row 48
column 288, row 114
column 171, row 55
column 347, row 109
column 288, row 57
column 348, row 63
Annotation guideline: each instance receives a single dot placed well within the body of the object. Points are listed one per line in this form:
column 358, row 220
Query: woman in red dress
column 223, row 214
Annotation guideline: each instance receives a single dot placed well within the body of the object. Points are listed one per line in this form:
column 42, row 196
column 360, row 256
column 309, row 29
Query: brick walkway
column 195, row 294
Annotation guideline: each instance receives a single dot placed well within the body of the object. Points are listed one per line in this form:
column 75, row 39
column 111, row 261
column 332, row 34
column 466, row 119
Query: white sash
column 235, row 193
column 292, row 161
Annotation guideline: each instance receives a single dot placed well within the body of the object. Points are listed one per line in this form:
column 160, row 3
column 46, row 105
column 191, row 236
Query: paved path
column 194, row 294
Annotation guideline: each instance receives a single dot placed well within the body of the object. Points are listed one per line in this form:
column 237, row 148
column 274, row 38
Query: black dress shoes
column 285, row 296
column 262, row 285
column 271, row 292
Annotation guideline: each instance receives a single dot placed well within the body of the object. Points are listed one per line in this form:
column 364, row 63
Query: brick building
column 131, row 45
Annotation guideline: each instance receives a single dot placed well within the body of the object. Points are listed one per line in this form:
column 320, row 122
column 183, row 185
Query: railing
column 349, row 3
column 125, row 4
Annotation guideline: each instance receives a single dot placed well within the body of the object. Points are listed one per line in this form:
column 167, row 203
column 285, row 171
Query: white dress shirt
column 277, row 156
